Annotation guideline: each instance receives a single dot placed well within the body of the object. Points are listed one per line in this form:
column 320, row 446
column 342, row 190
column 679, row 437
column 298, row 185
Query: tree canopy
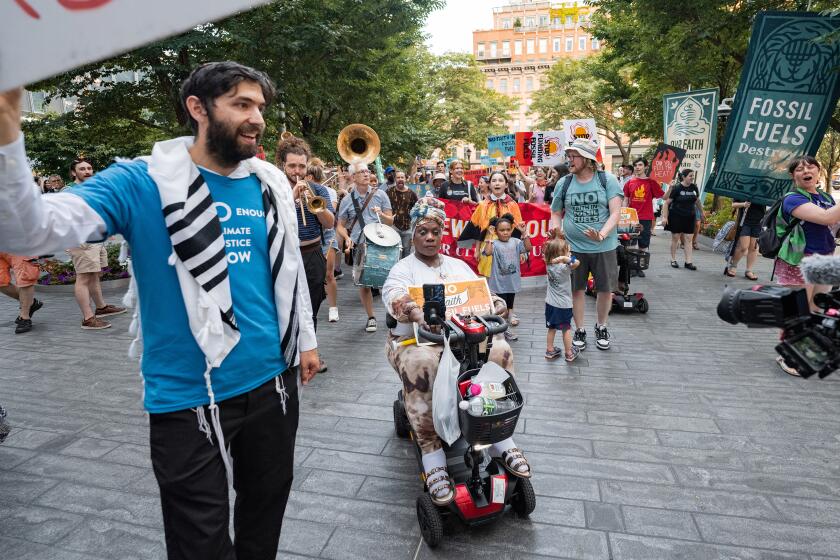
column 334, row 62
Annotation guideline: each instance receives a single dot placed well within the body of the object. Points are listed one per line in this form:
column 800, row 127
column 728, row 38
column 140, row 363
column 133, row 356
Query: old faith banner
column 691, row 124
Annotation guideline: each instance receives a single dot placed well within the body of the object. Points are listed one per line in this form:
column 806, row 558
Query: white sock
column 502, row 446
column 431, row 461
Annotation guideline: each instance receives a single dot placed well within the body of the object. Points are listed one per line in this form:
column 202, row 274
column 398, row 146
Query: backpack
column 723, row 244
column 567, row 181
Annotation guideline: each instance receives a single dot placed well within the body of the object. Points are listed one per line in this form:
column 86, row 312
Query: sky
column 450, row 29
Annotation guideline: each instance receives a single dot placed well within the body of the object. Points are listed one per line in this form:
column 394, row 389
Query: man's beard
column 223, row 143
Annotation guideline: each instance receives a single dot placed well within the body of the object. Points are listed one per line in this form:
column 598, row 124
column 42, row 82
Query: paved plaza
column 684, row 441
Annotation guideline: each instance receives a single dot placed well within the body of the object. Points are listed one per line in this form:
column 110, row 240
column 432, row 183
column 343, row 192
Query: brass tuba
column 358, row 143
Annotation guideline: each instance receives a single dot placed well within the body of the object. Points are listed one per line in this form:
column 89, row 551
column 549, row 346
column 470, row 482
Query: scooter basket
column 637, row 259
column 493, row 428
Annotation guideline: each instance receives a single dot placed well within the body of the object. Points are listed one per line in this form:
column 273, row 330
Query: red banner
column 537, row 218
column 666, row 163
column 473, row 175
column 524, row 153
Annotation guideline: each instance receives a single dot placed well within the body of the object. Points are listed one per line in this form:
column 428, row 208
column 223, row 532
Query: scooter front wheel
column 524, row 501
column 642, row 306
column 430, row 520
column 401, row 424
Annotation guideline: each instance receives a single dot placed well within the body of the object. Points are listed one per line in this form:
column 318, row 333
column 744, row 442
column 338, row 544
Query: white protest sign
column 548, row 147
column 41, row 38
column 580, row 128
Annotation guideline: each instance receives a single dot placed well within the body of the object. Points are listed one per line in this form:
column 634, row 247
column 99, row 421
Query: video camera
column 810, row 341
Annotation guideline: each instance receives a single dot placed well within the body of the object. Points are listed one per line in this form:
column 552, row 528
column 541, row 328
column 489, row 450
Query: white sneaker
column 333, row 315
column 371, row 325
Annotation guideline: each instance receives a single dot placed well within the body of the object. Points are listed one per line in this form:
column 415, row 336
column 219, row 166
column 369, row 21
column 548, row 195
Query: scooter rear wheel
column 430, row 520
column 642, row 306
column 524, row 501
column 401, row 425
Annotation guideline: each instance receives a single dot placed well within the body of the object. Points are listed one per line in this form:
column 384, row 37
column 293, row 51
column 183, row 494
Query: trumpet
column 310, row 198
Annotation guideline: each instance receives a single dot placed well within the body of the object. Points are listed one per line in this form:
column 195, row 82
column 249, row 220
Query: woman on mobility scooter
column 417, row 365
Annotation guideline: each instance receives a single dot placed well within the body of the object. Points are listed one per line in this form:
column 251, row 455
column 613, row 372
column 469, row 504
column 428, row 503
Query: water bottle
column 484, row 406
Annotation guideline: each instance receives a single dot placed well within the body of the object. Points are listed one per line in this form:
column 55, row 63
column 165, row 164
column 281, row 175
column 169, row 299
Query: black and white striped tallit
column 200, row 262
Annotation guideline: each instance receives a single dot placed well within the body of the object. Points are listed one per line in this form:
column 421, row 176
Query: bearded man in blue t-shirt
column 224, row 308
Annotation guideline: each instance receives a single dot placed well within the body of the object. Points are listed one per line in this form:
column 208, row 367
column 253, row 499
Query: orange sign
column 470, row 297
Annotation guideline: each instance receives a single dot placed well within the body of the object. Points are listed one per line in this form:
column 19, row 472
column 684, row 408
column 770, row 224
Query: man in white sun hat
column 586, row 207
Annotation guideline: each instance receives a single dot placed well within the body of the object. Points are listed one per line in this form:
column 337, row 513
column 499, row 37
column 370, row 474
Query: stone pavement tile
column 347, row 409
column 660, row 454
column 124, row 433
column 590, row 431
column 729, row 442
column 571, row 487
column 332, row 483
column 399, row 448
column 552, row 413
column 360, row 514
column 688, row 499
column 526, row 536
column 38, row 524
column 633, row 547
column 27, row 550
column 130, row 454
column 600, row 468
column 557, row 445
column 139, row 509
column 12, row 456
column 89, row 448
column 28, row 439
column 84, row 471
column 827, row 488
column 604, row 517
column 48, row 420
column 390, row 491
column 116, row 540
column 19, row 487
column 660, row 523
column 366, row 426
column 359, row 463
column 304, row 537
column 652, row 421
column 768, row 534
column 821, row 512
column 350, row 544
column 805, row 428
column 328, row 439
column 147, row 484
column 793, row 465
column 559, row 511
column 452, row 549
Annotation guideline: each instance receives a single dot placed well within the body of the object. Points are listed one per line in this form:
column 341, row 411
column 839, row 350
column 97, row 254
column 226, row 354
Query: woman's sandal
column 444, row 493
column 731, row 272
column 513, row 460
column 750, row 275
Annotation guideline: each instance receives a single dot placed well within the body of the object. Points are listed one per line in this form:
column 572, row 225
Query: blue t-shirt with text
column 587, row 206
column 818, row 238
column 127, row 199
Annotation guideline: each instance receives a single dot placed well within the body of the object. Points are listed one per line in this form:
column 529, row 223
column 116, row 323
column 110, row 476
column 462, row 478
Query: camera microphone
column 821, row 269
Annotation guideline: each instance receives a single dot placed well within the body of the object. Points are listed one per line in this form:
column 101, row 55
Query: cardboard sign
column 541, row 147
column 665, row 163
column 44, row 38
column 787, row 93
column 469, row 297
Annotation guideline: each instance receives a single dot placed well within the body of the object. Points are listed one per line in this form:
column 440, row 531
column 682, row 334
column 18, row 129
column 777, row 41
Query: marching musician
column 292, row 156
column 373, row 205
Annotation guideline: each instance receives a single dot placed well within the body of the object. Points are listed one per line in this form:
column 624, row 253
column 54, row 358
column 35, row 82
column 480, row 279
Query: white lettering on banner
column 223, row 210
column 110, row 28
column 250, row 212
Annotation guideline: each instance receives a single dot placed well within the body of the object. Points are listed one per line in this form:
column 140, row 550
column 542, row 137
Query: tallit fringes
column 173, row 258
column 217, row 424
column 203, row 426
column 280, row 387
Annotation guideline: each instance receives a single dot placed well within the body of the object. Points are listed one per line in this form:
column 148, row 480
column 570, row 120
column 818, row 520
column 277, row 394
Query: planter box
column 68, row 288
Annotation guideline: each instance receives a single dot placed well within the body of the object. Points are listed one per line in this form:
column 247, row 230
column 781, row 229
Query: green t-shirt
column 587, row 206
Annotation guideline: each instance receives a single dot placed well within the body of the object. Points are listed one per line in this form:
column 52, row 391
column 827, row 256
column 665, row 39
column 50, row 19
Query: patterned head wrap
column 427, row 209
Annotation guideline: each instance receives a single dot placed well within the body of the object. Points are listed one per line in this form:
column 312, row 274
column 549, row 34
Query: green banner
column 788, row 90
column 691, row 124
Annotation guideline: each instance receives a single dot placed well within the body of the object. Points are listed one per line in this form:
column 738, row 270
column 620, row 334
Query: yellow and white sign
column 470, row 297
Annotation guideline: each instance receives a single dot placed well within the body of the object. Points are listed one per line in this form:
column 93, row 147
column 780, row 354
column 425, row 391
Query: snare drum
column 381, row 251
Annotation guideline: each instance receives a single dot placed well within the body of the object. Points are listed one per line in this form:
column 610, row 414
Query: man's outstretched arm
column 29, row 223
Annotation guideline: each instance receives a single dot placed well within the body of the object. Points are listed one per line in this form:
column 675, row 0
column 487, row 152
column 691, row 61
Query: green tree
column 464, row 109
column 334, row 61
column 587, row 89
column 829, row 154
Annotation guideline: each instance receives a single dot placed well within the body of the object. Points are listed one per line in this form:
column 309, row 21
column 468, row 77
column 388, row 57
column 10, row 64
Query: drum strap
column 359, row 215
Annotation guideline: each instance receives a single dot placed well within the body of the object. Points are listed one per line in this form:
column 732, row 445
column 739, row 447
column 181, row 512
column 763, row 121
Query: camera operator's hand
column 10, row 115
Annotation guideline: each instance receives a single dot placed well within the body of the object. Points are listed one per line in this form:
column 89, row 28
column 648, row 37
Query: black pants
column 315, row 266
column 644, row 235
column 508, row 299
column 193, row 483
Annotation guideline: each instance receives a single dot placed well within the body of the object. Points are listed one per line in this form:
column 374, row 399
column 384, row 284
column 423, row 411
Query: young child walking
column 508, row 254
column 558, row 298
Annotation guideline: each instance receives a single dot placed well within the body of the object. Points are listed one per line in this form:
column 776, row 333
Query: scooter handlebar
column 495, row 324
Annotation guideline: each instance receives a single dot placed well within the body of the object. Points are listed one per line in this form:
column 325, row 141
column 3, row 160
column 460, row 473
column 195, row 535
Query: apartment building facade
column 529, row 36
